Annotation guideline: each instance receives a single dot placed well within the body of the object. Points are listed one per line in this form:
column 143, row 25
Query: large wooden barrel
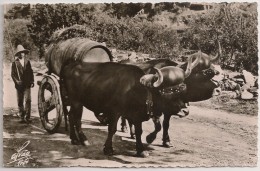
column 59, row 52
column 81, row 49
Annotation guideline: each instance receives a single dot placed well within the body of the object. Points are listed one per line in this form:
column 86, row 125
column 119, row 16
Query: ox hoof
column 108, row 151
column 143, row 154
column 132, row 137
column 167, row 144
column 85, row 143
column 83, row 139
column 150, row 138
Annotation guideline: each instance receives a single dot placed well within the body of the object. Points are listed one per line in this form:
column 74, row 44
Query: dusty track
column 204, row 138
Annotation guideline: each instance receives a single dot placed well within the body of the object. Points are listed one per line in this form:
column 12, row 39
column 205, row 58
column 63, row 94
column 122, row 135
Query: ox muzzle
column 210, row 73
column 217, row 91
column 215, row 77
column 184, row 111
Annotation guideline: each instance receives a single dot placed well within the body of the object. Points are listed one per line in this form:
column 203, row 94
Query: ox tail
column 63, row 87
column 62, row 72
column 47, row 57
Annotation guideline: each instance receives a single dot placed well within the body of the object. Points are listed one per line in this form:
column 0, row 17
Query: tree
column 236, row 29
column 18, row 32
column 18, row 11
column 45, row 19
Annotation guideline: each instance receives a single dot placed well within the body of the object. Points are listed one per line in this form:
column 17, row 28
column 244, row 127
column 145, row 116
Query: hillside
column 161, row 29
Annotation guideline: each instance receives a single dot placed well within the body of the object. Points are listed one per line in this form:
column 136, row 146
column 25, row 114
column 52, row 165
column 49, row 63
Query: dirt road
column 203, row 138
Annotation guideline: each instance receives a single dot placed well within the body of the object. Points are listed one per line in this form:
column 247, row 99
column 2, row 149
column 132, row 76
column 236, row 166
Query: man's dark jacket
column 26, row 74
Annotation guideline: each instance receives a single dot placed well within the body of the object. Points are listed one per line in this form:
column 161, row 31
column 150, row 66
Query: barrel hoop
column 105, row 48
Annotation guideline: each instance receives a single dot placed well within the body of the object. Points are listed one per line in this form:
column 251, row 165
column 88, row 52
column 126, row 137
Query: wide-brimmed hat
column 21, row 49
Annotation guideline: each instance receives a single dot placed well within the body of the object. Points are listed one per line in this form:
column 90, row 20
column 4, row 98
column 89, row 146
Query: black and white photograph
column 152, row 84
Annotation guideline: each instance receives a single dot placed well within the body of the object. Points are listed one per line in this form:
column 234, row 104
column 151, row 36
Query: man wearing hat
column 22, row 75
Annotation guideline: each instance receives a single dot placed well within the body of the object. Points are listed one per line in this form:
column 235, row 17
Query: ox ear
column 214, row 58
column 147, row 80
column 152, row 80
column 160, row 78
column 191, row 64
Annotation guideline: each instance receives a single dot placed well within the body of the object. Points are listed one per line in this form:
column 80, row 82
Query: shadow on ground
column 55, row 150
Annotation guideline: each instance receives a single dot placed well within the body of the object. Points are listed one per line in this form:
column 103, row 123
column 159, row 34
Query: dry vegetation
column 237, row 106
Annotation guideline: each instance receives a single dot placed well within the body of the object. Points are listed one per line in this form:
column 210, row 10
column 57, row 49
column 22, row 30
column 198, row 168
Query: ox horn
column 160, row 78
column 191, row 65
column 214, row 58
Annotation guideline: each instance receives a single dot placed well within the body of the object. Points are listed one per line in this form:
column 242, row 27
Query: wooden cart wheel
column 50, row 103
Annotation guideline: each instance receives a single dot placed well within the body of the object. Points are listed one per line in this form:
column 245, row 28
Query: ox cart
column 52, row 100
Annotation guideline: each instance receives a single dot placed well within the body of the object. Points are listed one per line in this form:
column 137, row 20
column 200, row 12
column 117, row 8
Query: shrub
column 236, row 29
column 133, row 34
column 18, row 32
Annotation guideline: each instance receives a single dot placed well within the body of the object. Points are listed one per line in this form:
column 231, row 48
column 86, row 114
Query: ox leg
column 82, row 138
column 166, row 138
column 139, row 144
column 157, row 128
column 72, row 121
column 123, row 124
column 66, row 113
column 76, row 134
column 112, row 127
column 132, row 131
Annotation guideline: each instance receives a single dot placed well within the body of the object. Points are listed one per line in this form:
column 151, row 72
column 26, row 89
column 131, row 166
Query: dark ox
column 200, row 86
column 116, row 89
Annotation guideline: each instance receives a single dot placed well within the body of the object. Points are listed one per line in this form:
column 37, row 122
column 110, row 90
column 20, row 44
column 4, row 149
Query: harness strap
column 149, row 104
